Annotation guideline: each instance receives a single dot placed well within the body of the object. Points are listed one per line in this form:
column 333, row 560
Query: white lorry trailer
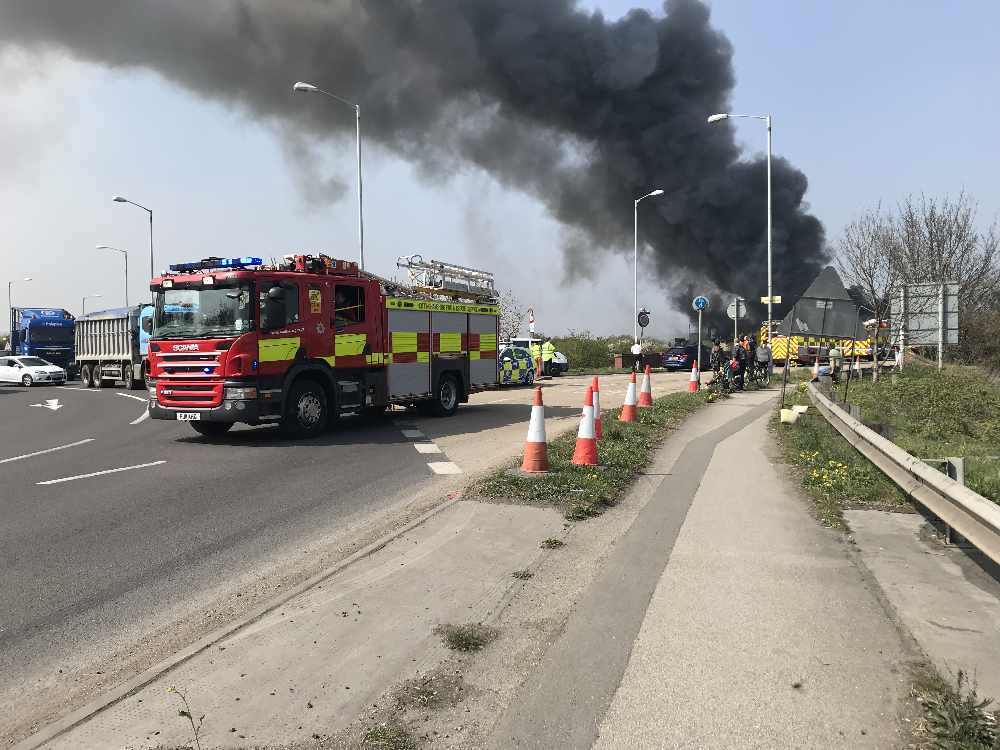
column 112, row 345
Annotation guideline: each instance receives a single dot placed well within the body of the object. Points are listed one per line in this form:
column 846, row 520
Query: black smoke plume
column 582, row 113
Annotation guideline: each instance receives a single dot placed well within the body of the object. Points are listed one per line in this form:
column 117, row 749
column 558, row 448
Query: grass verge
column 585, row 491
column 954, row 716
column 931, row 414
column 832, row 472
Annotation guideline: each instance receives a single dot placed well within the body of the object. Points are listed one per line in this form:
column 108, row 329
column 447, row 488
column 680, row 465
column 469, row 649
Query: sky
column 871, row 100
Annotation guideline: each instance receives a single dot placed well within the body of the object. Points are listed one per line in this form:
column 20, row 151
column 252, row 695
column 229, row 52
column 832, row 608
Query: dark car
column 680, row 357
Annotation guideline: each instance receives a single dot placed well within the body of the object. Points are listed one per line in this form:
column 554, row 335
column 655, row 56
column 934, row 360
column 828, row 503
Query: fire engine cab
column 301, row 342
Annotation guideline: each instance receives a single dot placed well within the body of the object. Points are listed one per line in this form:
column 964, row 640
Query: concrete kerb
column 113, row 696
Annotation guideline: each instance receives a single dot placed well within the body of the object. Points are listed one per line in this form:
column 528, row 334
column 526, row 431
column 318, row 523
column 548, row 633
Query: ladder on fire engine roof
column 447, row 279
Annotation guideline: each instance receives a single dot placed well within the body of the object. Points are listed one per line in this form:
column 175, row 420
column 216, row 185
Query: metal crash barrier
column 967, row 512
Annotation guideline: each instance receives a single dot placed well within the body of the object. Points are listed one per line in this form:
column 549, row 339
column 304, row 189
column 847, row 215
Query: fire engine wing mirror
column 276, row 293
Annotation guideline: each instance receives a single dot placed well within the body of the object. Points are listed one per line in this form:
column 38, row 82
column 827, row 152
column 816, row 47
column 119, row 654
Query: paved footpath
column 726, row 617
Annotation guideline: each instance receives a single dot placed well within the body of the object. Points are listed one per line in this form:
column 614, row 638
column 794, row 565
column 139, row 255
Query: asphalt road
column 117, row 527
column 84, row 559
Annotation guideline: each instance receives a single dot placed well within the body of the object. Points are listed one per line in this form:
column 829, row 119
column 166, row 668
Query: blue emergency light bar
column 209, row 263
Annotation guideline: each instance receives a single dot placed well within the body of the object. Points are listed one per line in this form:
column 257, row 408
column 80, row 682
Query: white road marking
column 129, row 395
column 412, row 434
column 71, row 388
column 47, row 450
column 142, row 417
column 426, row 448
column 101, row 473
column 444, row 467
column 50, row 403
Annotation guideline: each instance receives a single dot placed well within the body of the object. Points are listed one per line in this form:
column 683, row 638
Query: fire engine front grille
column 187, row 364
column 186, row 393
column 189, row 379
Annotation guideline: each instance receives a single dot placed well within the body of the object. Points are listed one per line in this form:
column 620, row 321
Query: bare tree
column 868, row 256
column 940, row 241
column 511, row 315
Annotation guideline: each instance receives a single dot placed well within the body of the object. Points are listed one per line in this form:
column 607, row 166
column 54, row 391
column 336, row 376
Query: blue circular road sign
column 700, row 303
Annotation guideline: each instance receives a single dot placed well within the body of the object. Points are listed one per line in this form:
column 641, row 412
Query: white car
column 29, row 371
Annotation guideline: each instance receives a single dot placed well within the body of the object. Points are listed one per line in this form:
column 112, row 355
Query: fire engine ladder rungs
column 438, row 277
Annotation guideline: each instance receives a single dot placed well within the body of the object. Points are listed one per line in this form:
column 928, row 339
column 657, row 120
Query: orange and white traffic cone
column 857, row 367
column 585, row 453
column 693, row 382
column 539, row 374
column 646, row 392
column 597, row 407
column 815, row 376
column 536, row 449
column 628, row 408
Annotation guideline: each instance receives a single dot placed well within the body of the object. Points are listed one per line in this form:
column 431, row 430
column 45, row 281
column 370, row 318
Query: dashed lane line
column 423, row 445
column 101, row 473
column 444, row 467
column 427, row 447
column 47, row 450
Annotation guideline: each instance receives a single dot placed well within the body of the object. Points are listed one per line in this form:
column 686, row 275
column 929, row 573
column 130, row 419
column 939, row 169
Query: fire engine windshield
column 203, row 312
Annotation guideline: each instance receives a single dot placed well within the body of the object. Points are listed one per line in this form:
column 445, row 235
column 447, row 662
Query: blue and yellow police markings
column 515, row 366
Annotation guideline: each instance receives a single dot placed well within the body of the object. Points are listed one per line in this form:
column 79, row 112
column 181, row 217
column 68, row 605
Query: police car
column 516, row 367
column 29, row 371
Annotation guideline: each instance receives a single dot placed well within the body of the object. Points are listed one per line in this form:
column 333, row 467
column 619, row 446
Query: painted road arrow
column 50, row 403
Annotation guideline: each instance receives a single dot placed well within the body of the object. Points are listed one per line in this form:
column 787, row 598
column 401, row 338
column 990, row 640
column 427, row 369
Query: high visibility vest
column 548, row 351
column 536, row 352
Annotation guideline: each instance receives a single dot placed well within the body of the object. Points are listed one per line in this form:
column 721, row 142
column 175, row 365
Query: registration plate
column 188, row 416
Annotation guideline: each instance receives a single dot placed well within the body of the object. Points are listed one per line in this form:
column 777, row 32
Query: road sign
column 531, row 320
column 700, row 303
column 643, row 318
column 636, row 349
column 737, row 309
column 776, row 300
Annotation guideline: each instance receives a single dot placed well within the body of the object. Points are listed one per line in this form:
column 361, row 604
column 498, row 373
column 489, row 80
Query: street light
column 125, row 253
column 309, row 88
column 83, row 305
column 770, row 292
column 635, row 261
column 121, row 199
column 10, row 305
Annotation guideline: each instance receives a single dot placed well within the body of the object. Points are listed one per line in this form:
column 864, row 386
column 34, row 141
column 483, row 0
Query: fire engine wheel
column 98, row 376
column 305, row 410
column 211, row 429
column 445, row 401
column 85, row 377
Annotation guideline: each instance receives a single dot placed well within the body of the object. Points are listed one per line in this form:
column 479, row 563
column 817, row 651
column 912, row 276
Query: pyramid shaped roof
column 825, row 309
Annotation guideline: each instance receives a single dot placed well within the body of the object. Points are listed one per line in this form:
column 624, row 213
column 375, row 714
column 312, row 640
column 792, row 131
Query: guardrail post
column 954, row 467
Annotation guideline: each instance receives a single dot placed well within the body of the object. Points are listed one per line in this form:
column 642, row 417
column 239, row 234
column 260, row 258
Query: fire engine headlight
column 240, row 394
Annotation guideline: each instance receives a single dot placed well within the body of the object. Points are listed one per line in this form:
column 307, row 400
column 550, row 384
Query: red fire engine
column 309, row 339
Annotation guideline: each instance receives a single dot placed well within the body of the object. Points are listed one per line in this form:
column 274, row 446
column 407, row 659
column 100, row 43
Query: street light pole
column 121, row 199
column 770, row 288
column 125, row 253
column 312, row 89
column 83, row 304
column 635, row 261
